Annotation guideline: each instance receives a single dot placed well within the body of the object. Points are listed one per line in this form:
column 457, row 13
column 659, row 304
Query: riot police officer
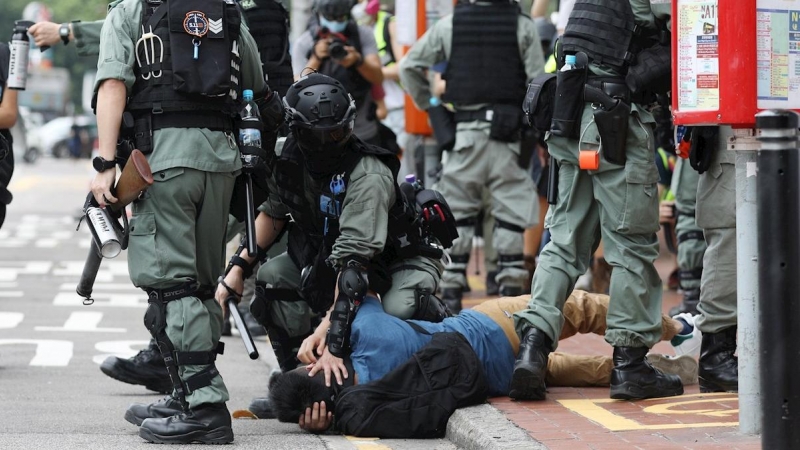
column 491, row 50
column 614, row 198
column 181, row 82
column 349, row 222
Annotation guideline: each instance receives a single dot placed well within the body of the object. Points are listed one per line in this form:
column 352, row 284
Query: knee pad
column 259, row 306
column 429, row 307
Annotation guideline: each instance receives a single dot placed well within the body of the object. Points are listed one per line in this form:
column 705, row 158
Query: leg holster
column 429, row 307
column 461, row 260
column 514, row 261
column 259, row 306
column 285, row 348
column 155, row 319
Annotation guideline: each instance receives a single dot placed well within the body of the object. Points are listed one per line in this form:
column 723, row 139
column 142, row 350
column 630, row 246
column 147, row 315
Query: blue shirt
column 381, row 342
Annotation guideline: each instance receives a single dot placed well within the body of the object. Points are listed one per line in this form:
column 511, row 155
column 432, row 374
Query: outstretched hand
column 330, row 364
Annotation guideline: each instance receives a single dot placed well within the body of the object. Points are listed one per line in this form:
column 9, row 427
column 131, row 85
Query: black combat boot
column 452, row 298
column 146, row 368
column 633, row 378
column 719, row 367
column 527, row 382
column 492, row 288
column 691, row 298
column 511, row 291
column 261, row 407
column 166, row 407
column 209, row 423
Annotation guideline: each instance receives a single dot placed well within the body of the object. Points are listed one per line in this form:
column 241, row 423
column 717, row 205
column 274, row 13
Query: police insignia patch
column 195, row 23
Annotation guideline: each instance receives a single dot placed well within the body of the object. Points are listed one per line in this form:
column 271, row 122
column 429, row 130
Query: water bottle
column 250, row 126
column 18, row 62
column 569, row 63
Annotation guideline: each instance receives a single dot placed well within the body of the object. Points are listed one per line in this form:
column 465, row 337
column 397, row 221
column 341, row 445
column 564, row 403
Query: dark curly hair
column 292, row 392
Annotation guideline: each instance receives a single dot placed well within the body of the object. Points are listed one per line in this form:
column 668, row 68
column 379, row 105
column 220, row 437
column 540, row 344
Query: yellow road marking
column 366, row 443
column 592, row 410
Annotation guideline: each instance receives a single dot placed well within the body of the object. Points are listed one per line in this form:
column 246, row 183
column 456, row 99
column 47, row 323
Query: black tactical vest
column 198, row 77
column 307, row 235
column 604, row 30
column 268, row 22
column 353, row 82
column 485, row 64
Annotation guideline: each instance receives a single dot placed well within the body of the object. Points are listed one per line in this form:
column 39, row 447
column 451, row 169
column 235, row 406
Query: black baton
column 90, row 268
column 249, row 345
column 552, row 182
column 250, row 223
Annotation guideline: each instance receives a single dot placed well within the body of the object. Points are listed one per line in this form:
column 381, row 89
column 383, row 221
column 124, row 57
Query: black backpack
column 416, row 399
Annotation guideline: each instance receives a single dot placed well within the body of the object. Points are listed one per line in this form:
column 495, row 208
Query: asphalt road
column 52, row 392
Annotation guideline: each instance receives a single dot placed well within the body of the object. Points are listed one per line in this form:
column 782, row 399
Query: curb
column 483, row 427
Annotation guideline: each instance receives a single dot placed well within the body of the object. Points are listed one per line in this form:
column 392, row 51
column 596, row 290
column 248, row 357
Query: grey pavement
column 52, row 392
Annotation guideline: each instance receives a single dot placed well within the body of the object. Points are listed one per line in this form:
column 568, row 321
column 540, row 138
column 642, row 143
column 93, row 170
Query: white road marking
column 83, row 321
column 112, row 300
column 10, row 319
column 49, row 353
column 120, row 349
column 46, row 243
column 11, row 294
column 103, row 287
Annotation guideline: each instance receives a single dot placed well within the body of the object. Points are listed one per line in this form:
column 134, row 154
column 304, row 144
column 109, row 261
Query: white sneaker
column 584, row 282
column 683, row 366
column 687, row 344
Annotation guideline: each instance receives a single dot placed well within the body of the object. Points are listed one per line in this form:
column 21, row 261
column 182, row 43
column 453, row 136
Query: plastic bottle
column 569, row 63
column 18, row 64
column 250, row 126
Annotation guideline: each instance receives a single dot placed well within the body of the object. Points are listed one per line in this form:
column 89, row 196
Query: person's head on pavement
column 294, row 392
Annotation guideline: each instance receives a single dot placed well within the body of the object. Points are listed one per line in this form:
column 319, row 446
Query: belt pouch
column 569, row 103
column 506, row 123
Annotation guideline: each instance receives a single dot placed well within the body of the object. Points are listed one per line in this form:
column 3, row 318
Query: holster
column 611, row 116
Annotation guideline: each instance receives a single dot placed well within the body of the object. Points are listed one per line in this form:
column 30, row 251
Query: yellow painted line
column 367, row 443
column 477, row 282
column 592, row 410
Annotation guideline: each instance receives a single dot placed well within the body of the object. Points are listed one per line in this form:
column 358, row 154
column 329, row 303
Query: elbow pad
column 353, row 280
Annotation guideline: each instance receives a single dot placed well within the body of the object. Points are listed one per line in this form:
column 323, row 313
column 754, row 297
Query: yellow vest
column 379, row 31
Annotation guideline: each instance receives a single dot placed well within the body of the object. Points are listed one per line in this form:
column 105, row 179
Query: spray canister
column 18, row 63
column 103, row 232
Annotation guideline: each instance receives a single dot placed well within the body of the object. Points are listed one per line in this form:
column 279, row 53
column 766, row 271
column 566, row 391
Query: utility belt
column 506, row 121
column 188, row 289
column 145, row 124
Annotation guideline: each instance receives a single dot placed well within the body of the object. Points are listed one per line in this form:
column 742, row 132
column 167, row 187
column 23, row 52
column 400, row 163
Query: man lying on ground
column 380, row 343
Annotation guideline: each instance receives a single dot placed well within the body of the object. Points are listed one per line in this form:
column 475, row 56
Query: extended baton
column 249, row 345
column 250, row 224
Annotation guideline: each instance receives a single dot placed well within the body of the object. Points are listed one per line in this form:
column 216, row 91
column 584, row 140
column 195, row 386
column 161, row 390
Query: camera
column 337, row 50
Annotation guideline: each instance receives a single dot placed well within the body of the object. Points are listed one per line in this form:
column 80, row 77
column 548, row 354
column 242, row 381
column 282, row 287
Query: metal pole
column 778, row 194
column 744, row 143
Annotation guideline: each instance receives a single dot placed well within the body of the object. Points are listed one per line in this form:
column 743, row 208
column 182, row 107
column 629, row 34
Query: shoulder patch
column 247, row 4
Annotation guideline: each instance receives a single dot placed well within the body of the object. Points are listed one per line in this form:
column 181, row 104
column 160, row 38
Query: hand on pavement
column 316, row 418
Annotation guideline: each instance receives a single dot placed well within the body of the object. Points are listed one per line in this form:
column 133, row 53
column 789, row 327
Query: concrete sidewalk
column 585, row 418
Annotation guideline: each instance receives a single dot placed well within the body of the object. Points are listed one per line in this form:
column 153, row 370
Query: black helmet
column 333, row 9
column 320, row 113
